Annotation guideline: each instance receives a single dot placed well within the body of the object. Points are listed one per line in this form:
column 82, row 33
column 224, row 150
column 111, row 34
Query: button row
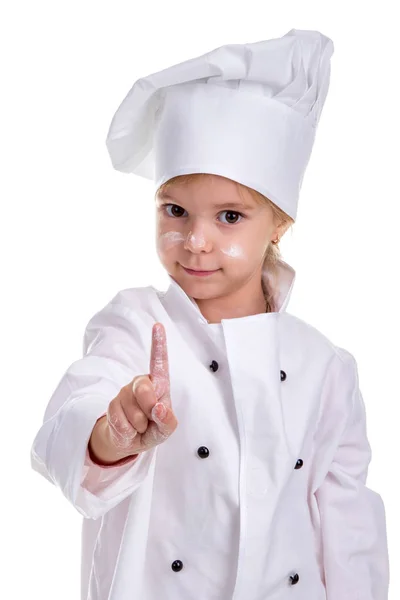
column 214, row 366
column 177, row 566
column 203, row 452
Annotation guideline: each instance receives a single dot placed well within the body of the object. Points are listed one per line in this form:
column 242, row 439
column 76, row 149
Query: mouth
column 197, row 272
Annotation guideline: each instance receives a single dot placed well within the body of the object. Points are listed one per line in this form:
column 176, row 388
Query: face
column 207, row 225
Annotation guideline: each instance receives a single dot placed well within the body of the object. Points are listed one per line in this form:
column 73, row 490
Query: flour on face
column 171, row 238
column 234, row 251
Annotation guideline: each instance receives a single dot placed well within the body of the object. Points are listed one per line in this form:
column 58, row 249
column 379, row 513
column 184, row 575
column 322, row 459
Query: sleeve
column 352, row 516
column 113, row 354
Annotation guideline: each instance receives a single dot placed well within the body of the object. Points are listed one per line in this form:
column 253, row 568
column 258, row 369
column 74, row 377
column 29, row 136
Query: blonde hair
column 273, row 252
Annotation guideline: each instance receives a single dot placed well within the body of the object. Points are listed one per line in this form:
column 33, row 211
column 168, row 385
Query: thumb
column 164, row 417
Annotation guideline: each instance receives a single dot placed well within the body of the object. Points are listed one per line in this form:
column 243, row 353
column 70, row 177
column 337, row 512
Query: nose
column 197, row 240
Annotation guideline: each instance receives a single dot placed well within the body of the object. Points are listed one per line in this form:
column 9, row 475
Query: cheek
column 234, row 251
column 169, row 240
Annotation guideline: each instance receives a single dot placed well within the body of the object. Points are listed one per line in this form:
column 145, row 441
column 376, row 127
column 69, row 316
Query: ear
column 281, row 229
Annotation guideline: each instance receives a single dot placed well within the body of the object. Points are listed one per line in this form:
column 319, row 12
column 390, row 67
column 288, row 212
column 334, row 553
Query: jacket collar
column 281, row 286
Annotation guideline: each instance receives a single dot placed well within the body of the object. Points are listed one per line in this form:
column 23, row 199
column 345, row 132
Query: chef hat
column 247, row 112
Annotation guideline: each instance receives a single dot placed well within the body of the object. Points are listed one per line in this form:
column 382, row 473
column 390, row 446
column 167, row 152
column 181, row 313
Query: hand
column 141, row 416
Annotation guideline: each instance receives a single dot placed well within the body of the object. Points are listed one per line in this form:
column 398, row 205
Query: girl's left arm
column 353, row 519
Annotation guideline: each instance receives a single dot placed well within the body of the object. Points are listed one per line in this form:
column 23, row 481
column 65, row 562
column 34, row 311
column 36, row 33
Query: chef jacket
column 259, row 494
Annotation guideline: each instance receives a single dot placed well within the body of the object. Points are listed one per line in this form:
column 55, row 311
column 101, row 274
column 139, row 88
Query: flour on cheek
column 234, row 251
column 170, row 239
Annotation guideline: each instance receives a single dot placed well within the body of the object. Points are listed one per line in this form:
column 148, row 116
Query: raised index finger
column 159, row 368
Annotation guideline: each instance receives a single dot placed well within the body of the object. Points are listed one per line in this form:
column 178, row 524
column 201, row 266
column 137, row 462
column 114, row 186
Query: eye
column 232, row 212
column 173, row 206
column 177, row 211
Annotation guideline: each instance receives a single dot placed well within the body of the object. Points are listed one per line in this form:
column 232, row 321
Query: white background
column 74, row 231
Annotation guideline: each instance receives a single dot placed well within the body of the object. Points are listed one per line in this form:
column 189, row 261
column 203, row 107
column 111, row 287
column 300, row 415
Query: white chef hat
column 248, row 112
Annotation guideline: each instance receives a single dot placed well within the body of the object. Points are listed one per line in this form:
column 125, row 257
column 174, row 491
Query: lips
column 198, row 272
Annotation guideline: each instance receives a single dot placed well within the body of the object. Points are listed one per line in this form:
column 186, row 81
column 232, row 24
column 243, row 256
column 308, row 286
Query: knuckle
column 139, row 421
column 141, row 385
column 142, row 388
column 122, row 441
column 116, row 422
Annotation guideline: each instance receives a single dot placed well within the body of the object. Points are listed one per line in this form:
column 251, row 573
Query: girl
column 214, row 443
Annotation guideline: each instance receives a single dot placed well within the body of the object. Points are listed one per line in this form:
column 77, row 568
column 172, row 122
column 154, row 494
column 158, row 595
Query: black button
column 299, row 464
column 294, row 579
column 177, row 565
column 203, row 452
column 283, row 375
column 214, row 366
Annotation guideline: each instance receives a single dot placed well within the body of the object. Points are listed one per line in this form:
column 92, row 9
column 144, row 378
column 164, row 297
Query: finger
column 121, row 431
column 159, row 429
column 159, row 368
column 144, row 394
column 133, row 412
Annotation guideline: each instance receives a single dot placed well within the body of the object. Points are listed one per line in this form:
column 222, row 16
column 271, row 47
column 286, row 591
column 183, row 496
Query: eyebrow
column 165, row 196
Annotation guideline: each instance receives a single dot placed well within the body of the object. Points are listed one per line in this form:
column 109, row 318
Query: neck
column 237, row 305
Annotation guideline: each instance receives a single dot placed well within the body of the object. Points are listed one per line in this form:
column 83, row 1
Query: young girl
column 216, row 444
